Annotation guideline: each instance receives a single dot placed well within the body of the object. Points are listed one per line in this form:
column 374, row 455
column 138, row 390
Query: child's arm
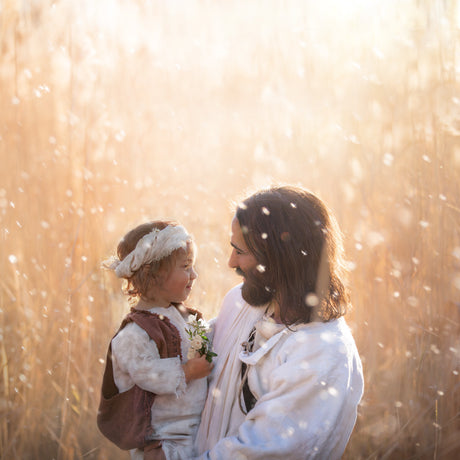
column 136, row 360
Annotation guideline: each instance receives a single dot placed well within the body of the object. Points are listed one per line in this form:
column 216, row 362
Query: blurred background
column 114, row 112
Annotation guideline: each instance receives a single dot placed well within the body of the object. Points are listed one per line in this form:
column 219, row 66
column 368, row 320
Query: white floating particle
column 388, row 159
column 424, row 224
column 333, row 392
column 378, row 53
column 354, row 139
column 398, row 404
column 426, row 158
column 412, row 301
column 265, row 211
column 264, row 236
column 456, row 252
column 435, row 349
column 12, row 258
column 303, row 424
column 374, row 238
column 311, row 299
column 45, row 224
column 260, row 268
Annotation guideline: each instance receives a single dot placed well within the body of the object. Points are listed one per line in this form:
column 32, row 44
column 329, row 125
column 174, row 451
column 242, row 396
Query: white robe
column 308, row 382
column 177, row 407
column 221, row 415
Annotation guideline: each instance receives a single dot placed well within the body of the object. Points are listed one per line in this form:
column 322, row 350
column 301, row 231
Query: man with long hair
column 288, row 379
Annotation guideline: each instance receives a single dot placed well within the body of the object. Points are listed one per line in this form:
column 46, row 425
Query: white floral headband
column 154, row 246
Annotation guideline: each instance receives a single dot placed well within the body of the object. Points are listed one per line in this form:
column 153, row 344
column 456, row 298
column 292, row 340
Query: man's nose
column 232, row 261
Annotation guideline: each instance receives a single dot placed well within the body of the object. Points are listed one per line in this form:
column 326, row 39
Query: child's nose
column 193, row 274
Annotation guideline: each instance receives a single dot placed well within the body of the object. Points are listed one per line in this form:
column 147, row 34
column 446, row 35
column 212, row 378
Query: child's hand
column 197, row 368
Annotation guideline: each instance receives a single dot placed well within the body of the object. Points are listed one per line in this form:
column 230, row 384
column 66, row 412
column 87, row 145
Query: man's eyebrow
column 236, row 247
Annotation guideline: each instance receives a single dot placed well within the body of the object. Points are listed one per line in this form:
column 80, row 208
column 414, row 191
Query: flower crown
column 154, row 246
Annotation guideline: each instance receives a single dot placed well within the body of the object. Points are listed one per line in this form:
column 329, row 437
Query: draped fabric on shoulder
column 222, row 415
column 125, row 418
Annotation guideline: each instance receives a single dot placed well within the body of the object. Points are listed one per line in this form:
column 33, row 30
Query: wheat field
column 114, row 112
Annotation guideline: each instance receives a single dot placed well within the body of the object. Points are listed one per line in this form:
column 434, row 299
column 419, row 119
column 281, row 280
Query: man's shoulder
column 234, row 294
column 323, row 338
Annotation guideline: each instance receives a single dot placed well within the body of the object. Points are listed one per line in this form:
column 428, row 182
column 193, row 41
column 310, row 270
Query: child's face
column 177, row 285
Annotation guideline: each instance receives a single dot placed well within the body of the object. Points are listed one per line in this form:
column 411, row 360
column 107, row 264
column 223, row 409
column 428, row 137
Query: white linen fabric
column 308, row 381
column 222, row 415
column 177, row 407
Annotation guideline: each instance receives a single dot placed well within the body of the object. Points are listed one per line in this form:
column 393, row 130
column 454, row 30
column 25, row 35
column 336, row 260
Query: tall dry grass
column 114, row 112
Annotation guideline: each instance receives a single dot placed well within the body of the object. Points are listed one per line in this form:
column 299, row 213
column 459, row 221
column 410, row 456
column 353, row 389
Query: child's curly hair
column 138, row 284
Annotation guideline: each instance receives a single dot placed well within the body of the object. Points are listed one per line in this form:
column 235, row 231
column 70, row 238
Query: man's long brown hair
column 298, row 246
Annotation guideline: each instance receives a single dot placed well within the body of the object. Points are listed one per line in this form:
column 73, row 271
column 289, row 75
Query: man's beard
column 255, row 291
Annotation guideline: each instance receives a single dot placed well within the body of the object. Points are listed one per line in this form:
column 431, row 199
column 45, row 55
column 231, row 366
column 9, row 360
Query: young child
column 157, row 261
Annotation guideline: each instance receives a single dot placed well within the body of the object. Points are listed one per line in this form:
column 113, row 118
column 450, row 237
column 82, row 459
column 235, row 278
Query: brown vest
column 125, row 418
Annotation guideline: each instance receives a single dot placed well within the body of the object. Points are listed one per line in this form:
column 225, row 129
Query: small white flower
column 196, row 342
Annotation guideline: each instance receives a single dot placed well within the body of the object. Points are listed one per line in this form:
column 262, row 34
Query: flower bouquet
column 199, row 341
